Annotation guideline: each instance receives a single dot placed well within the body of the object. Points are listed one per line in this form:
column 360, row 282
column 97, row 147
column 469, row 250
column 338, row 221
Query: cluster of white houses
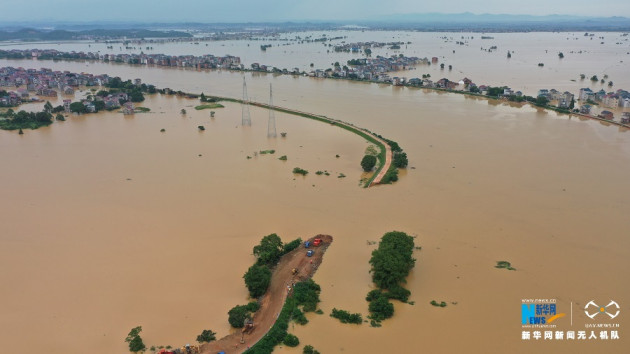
column 43, row 83
column 362, row 46
column 370, row 69
column 189, row 61
column 46, row 83
column 617, row 99
column 18, row 84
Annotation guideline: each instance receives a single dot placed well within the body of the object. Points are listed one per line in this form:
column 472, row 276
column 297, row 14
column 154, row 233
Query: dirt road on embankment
column 271, row 303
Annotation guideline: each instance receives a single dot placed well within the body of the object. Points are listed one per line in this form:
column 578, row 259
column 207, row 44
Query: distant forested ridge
column 29, row 34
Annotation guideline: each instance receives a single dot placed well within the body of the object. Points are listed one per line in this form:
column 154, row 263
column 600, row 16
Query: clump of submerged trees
column 391, row 264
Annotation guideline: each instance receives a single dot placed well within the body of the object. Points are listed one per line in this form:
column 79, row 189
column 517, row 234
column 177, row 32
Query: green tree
column 115, row 83
column 257, row 280
column 134, row 340
column 381, row 308
column 269, row 250
column 48, row 107
column 594, row 78
column 291, row 340
column 78, row 107
column 368, row 162
column 306, row 294
column 400, row 160
column 99, row 105
column 541, row 101
column 368, row 52
column 393, row 260
column 237, row 315
column 346, row 317
column 206, row 336
column 495, row 91
column 136, row 96
column 288, row 247
column 308, row 349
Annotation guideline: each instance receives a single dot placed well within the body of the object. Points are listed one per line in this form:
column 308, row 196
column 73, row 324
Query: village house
column 611, row 100
column 66, row 105
column 544, row 93
column 128, row 108
column 586, row 94
column 608, row 115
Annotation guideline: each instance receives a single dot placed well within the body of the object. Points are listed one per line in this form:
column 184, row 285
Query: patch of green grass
column 208, row 106
column 265, row 152
column 143, row 109
column 341, row 175
column 283, row 158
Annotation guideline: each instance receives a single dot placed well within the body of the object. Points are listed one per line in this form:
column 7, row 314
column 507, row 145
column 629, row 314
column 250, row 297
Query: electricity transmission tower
column 271, row 126
column 246, row 118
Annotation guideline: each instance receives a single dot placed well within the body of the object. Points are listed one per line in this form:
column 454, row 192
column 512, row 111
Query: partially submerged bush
column 300, row 171
column 291, row 340
column 346, row 317
column 504, row 264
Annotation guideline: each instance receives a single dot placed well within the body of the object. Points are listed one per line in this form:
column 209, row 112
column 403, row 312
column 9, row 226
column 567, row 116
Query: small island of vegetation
column 10, row 120
column 391, row 263
column 208, row 106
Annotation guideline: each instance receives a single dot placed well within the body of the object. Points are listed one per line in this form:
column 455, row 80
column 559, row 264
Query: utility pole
column 246, row 119
column 271, row 126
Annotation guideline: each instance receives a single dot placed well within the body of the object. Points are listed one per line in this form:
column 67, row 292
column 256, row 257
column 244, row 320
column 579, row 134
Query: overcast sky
column 285, row 10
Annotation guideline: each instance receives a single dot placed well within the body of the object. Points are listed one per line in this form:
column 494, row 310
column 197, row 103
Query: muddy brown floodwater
column 107, row 223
